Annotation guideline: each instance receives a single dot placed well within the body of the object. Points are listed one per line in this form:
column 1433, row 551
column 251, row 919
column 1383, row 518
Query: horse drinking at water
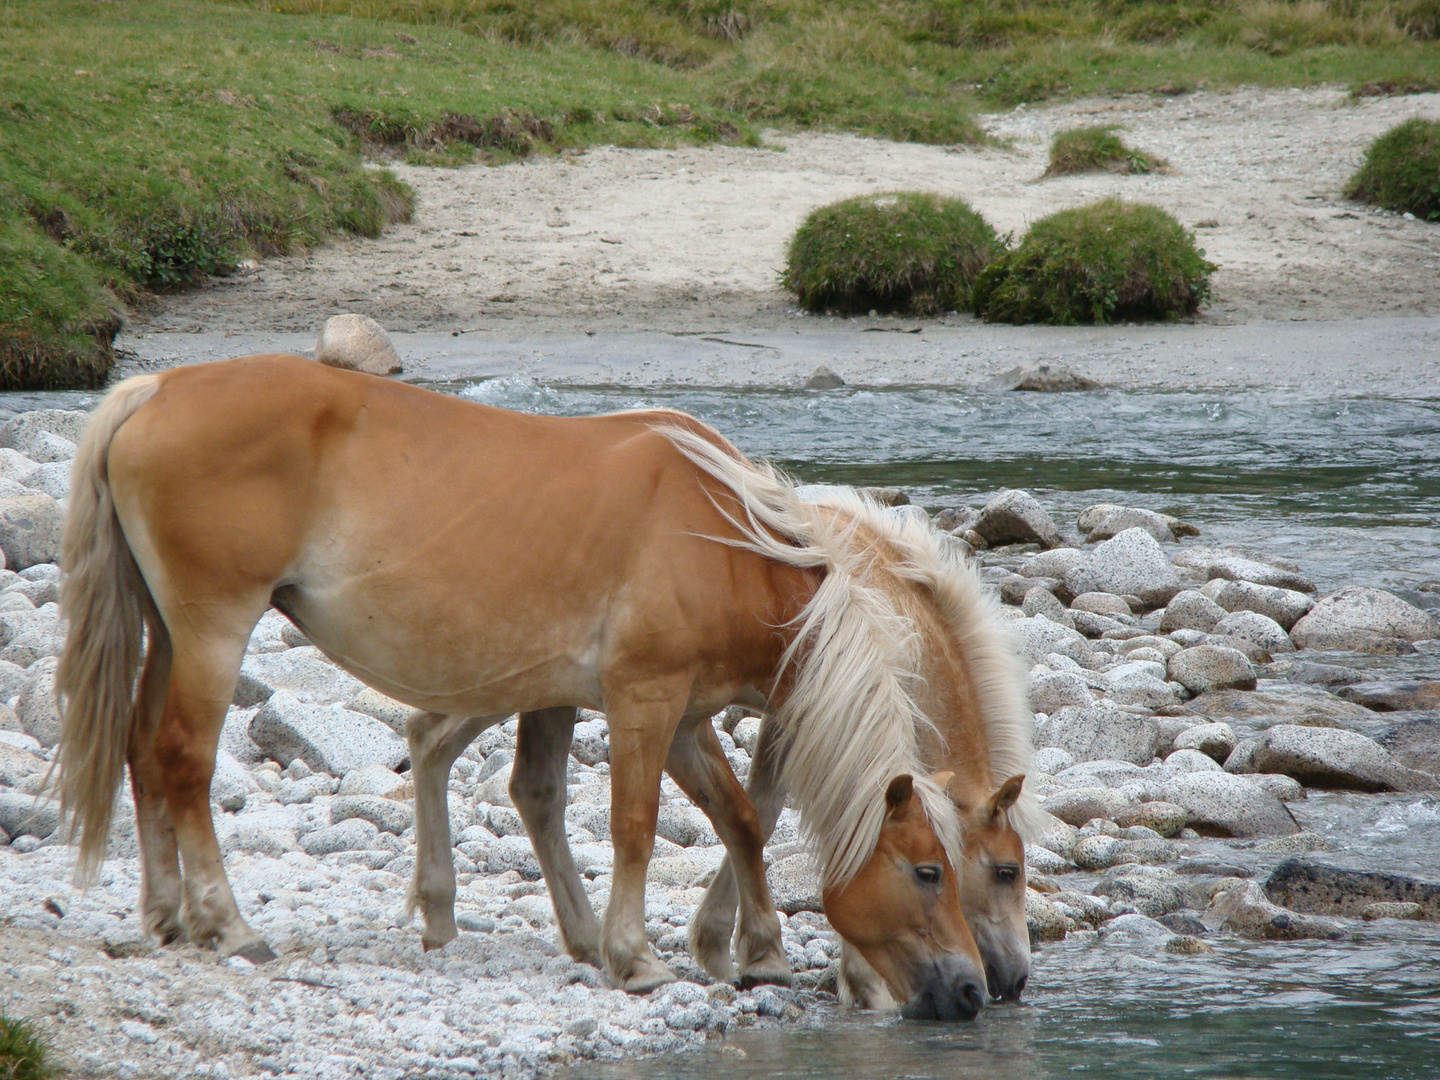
column 474, row 563
column 976, row 730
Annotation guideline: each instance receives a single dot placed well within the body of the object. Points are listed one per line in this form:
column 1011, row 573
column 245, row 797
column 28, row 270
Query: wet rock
column 328, row 738
column 1285, row 606
column 30, row 527
column 1099, row 603
column 1226, row 566
column 1015, row 517
column 1044, row 919
column 1332, row 758
column 1052, row 691
column 1129, row 563
column 1188, row 945
column 1299, row 844
column 1220, row 804
column 1135, row 929
column 1291, row 702
column 822, row 378
column 1362, row 619
column 1215, row 740
column 1394, row 696
column 1260, row 630
column 1414, row 743
column 1371, row 912
column 1190, row 610
column 357, row 343
column 1307, row 885
column 1151, row 896
column 1166, row 819
column 1100, row 734
column 1246, row 910
column 1312, row 674
column 1203, row 668
column 1041, row 376
column 1104, row 520
column 1077, row 806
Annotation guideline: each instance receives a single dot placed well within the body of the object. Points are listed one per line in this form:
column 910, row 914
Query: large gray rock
column 1100, row 734
column 1039, row 637
column 352, row 834
column 1358, row 618
column 685, row 825
column 1191, row 610
column 1213, row 740
column 1014, row 517
column 30, row 527
column 1104, row 520
column 387, row 815
column 387, row 710
column 1333, row 758
column 1245, row 909
column 1141, row 689
column 1076, row 806
column 1401, row 695
column 1415, row 743
column 1042, row 376
column 38, row 707
column 1310, row 886
column 23, row 431
column 52, row 479
column 27, row 815
column 1299, row 703
column 305, row 672
column 231, row 784
column 1227, row 566
column 357, row 343
column 1285, row 606
column 1131, row 563
column 328, row 738
column 1055, row 563
column 1211, row 667
column 1260, row 630
column 18, row 764
column 1052, row 691
column 794, row 885
column 1219, row 804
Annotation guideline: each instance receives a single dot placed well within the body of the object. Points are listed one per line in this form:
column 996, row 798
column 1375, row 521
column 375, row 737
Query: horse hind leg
column 435, row 742
column 537, row 786
column 161, row 888
column 203, row 672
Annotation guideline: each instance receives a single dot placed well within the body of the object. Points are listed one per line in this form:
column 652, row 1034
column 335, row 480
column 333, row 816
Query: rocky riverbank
column 1188, row 699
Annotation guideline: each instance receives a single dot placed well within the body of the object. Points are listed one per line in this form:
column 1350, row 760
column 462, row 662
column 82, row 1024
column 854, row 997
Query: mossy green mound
column 24, row 1055
column 1095, row 264
column 1097, row 149
column 1402, row 170
column 905, row 251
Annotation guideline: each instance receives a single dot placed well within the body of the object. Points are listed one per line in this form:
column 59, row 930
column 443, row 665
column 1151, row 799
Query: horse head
column 902, row 913
column 992, row 886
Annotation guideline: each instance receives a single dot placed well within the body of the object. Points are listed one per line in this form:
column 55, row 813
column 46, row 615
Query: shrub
column 24, row 1055
column 905, row 251
column 1097, row 149
column 1094, row 264
column 1402, row 170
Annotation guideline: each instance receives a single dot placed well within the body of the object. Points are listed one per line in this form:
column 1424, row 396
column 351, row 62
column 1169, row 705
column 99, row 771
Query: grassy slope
column 148, row 143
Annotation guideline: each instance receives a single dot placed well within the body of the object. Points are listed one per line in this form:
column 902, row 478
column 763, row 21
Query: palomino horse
column 473, row 563
column 971, row 690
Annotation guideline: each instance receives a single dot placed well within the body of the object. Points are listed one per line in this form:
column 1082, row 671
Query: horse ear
column 897, row 795
column 1006, row 797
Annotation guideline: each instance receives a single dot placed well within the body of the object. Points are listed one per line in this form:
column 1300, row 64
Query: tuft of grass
column 1097, row 149
column 24, row 1054
column 904, row 251
column 1402, row 170
column 1095, row 264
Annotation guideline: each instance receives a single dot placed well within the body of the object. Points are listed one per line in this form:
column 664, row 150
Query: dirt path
column 615, row 240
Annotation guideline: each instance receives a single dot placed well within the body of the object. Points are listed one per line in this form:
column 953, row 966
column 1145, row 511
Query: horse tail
column 106, row 602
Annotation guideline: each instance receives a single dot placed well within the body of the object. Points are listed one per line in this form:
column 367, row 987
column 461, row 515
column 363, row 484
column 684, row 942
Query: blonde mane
column 850, row 722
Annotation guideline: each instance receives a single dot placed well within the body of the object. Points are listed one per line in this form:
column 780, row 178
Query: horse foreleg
column 713, row 924
column 537, row 786
column 860, row 984
column 435, row 742
column 202, row 681
column 160, row 884
column 697, row 763
column 641, row 729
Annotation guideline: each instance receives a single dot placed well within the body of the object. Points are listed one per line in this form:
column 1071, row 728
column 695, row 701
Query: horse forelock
column 849, row 719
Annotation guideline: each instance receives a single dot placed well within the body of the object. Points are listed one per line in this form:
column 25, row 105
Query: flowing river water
column 1347, row 488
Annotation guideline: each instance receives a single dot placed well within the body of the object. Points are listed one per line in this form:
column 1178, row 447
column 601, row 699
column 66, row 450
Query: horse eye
column 929, row 875
column 1006, row 875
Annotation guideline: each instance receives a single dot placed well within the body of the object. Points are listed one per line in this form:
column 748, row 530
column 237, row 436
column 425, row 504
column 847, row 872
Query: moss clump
column 24, row 1055
column 1097, row 149
column 1402, row 170
column 904, row 251
column 1094, row 264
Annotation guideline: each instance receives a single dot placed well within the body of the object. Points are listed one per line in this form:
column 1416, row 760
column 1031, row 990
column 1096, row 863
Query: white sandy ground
column 693, row 239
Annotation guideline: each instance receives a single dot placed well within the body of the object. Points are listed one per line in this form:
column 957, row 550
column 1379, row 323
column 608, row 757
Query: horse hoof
column 754, row 978
column 431, row 946
column 652, row 978
column 259, row 953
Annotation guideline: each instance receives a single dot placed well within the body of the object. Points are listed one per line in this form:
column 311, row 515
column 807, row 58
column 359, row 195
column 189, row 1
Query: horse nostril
column 1020, row 987
column 973, row 998
column 993, row 983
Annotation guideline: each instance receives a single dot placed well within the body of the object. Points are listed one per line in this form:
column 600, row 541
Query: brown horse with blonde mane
column 970, row 691
column 475, row 563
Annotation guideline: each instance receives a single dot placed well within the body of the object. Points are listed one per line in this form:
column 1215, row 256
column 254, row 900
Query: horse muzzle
column 951, row 991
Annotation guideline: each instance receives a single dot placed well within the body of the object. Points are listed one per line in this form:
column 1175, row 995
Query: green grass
column 905, row 251
column 153, row 142
column 1099, row 263
column 1402, row 170
column 1097, row 149
column 24, row 1054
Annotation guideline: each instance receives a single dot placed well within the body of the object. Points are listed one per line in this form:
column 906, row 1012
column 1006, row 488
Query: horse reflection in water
column 475, row 563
